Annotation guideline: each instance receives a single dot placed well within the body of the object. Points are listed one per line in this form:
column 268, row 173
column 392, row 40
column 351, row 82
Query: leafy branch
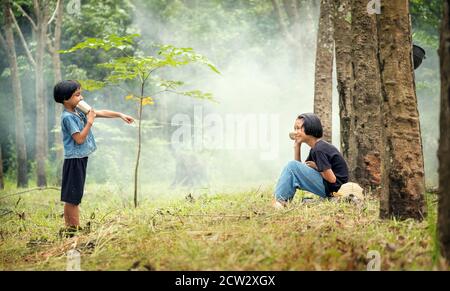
column 141, row 67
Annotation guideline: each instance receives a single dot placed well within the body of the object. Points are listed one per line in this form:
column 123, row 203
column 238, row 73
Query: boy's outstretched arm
column 113, row 114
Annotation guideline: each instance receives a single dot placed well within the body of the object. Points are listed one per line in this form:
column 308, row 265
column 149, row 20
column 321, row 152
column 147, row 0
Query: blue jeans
column 297, row 175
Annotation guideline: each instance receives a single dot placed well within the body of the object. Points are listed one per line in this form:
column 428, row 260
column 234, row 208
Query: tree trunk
column 284, row 28
column 343, row 49
column 22, row 171
column 365, row 124
column 289, row 7
column 2, row 184
column 402, row 167
column 324, row 68
column 444, row 143
column 138, row 158
column 308, row 28
column 293, row 28
column 41, row 100
column 56, row 60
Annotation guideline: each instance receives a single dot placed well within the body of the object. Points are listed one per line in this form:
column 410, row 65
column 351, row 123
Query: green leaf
column 212, row 67
column 110, row 42
column 92, row 85
column 168, row 84
column 140, row 67
column 198, row 95
column 6, row 73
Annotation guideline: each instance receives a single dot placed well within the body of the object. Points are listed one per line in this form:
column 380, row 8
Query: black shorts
column 73, row 178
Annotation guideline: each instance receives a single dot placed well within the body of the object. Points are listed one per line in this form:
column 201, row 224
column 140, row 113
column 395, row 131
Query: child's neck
column 311, row 142
column 69, row 108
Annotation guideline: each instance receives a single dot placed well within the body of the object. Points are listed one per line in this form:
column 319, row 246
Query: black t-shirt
column 326, row 156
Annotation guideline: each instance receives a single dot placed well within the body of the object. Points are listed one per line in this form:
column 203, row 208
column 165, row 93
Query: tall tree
column 54, row 46
column 2, row 184
column 344, row 71
column 402, row 160
column 365, row 124
column 9, row 46
column 444, row 143
column 42, row 17
column 40, row 23
column 324, row 68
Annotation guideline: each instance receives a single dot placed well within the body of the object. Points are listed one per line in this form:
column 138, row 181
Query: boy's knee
column 292, row 165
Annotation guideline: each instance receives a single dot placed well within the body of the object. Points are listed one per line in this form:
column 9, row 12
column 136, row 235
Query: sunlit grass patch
column 210, row 231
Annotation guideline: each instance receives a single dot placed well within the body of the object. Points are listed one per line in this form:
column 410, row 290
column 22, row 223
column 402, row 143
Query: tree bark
column 343, row 51
column 365, row 124
column 402, row 167
column 22, row 169
column 41, row 100
column 444, row 143
column 54, row 47
column 40, row 27
column 2, row 184
column 41, row 111
column 324, row 68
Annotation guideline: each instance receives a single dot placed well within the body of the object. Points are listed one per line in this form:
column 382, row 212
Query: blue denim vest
column 71, row 123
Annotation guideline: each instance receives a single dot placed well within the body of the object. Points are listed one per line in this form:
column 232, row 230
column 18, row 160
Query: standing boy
column 79, row 143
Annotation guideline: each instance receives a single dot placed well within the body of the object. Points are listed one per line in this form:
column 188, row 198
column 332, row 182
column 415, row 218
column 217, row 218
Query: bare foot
column 278, row 204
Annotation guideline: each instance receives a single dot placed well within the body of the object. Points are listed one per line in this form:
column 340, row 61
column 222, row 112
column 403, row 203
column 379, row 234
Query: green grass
column 221, row 231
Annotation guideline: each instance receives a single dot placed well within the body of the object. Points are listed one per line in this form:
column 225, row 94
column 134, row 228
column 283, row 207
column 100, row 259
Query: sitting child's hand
column 126, row 118
column 311, row 164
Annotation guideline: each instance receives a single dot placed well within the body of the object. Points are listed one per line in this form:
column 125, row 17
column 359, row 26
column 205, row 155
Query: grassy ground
column 233, row 231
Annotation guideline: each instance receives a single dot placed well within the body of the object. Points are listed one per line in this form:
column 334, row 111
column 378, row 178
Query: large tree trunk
column 41, row 100
column 344, row 70
column 22, row 171
column 2, row 184
column 366, row 96
column 444, row 143
column 324, row 68
column 402, row 167
column 56, row 60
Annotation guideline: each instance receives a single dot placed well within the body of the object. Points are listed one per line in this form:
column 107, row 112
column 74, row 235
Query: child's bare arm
column 329, row 176
column 297, row 151
column 113, row 114
column 107, row 114
column 80, row 137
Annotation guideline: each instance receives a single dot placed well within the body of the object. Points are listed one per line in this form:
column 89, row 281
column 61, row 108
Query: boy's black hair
column 311, row 124
column 65, row 89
